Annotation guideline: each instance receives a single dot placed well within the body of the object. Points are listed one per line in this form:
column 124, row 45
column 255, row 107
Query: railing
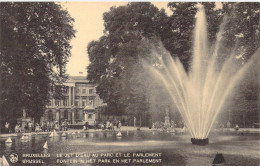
column 55, row 107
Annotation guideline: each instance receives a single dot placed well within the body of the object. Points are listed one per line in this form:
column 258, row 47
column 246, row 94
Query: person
column 119, row 125
column 63, row 125
column 51, row 126
column 86, row 125
column 48, row 126
column 66, row 125
column 104, row 123
column 111, row 127
column 7, row 125
column 153, row 126
column 17, row 128
column 172, row 124
column 57, row 126
column 26, row 127
column 44, row 126
column 37, row 128
column 237, row 127
column 156, row 125
column 33, row 127
column 228, row 124
column 94, row 124
column 108, row 124
column 30, row 126
column 102, row 126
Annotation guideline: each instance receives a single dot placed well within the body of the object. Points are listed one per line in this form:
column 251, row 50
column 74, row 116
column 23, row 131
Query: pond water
column 172, row 149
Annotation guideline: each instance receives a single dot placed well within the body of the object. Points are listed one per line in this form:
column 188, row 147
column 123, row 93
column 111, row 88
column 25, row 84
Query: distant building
column 80, row 103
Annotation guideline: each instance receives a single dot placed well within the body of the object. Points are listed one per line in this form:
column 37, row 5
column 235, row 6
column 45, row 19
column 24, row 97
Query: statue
column 167, row 119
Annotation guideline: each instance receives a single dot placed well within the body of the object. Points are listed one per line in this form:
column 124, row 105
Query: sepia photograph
column 151, row 83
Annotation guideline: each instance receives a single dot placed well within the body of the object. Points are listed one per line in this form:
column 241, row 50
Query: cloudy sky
column 89, row 26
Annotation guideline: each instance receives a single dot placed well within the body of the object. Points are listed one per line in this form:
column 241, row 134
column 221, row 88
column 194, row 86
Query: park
column 160, row 89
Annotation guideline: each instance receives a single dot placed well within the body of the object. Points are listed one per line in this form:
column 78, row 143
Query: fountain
column 200, row 94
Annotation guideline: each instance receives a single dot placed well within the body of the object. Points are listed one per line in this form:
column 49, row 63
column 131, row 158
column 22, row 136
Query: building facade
column 79, row 104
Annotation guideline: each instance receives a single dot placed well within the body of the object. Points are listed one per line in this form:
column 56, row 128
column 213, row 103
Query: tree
column 241, row 33
column 182, row 24
column 246, row 37
column 34, row 43
column 243, row 108
column 115, row 57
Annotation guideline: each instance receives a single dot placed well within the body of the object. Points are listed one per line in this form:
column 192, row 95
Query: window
column 57, row 102
column 66, row 114
column 50, row 115
column 89, row 116
column 91, row 100
column 77, row 114
column 66, row 101
column 84, row 91
column 76, row 103
column 66, row 90
column 83, row 103
column 90, row 91
column 77, row 90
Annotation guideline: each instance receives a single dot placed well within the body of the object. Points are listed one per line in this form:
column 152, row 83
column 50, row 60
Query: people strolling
column 7, row 127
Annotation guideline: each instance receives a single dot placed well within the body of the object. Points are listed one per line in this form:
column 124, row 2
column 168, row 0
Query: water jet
column 200, row 93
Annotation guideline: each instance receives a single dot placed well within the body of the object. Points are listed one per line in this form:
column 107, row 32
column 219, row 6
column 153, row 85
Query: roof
column 89, row 107
column 73, row 80
column 78, row 79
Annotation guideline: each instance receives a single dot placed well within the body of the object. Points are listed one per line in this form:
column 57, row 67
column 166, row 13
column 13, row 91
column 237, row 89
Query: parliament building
column 79, row 105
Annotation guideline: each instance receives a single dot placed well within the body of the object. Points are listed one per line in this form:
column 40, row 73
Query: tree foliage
column 183, row 23
column 242, row 30
column 34, row 43
column 115, row 58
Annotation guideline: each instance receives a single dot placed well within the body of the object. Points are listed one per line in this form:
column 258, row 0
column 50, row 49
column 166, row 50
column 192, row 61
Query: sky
column 89, row 26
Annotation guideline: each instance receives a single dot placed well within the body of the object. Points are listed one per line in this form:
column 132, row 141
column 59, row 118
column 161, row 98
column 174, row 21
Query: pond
column 133, row 148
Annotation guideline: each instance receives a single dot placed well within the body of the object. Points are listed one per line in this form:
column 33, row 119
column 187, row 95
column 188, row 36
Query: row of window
column 84, row 103
column 84, row 91
column 76, row 102
column 65, row 115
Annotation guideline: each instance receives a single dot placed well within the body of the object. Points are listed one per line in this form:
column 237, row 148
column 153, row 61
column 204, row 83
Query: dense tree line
column 34, row 49
column 115, row 58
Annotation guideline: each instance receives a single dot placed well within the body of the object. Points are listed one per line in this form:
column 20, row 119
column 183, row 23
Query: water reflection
column 107, row 141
